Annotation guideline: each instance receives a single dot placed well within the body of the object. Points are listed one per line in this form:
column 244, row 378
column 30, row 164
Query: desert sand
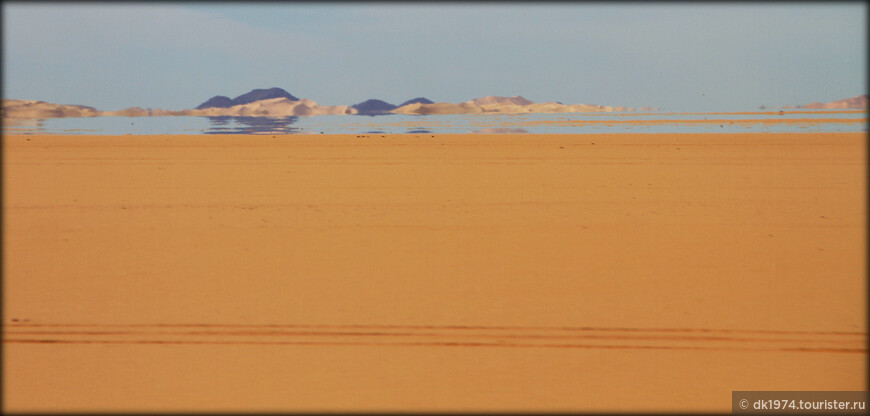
column 497, row 272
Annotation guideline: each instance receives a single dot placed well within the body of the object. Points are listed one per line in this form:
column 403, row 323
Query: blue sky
column 674, row 56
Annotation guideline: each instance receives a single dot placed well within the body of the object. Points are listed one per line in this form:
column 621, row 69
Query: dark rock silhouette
column 373, row 107
column 220, row 101
column 417, row 100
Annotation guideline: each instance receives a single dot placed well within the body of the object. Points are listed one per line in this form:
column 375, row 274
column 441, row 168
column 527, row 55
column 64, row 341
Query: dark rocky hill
column 220, row 101
column 417, row 100
column 373, row 107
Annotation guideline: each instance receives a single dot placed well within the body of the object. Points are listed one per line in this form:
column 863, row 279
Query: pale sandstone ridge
column 282, row 104
column 439, row 108
column 275, row 107
column 507, row 105
column 42, row 109
column 859, row 102
column 491, row 100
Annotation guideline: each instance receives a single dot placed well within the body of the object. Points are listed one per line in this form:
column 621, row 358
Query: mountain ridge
column 276, row 102
column 257, row 94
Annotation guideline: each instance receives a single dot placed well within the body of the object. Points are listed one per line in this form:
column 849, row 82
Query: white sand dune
column 859, row 102
column 282, row 107
column 276, row 107
column 506, row 105
column 490, row 100
column 439, row 108
column 42, row 109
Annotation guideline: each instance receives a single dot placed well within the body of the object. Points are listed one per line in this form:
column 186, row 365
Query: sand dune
column 439, row 108
column 507, row 105
column 492, row 100
column 41, row 109
column 275, row 107
column 221, row 101
column 283, row 106
column 448, row 273
column 854, row 102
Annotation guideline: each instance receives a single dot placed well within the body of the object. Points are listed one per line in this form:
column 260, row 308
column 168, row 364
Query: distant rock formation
column 41, row 109
column 272, row 102
column 508, row 105
column 492, row 100
column 220, row 101
column 274, row 107
column 859, row 102
column 373, row 107
column 421, row 100
column 439, row 108
column 280, row 103
column 260, row 94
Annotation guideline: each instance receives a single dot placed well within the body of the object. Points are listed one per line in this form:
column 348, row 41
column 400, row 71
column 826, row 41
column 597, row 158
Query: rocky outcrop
column 373, row 107
column 275, row 107
column 280, row 103
column 859, row 102
column 421, row 100
column 492, row 100
column 507, row 105
column 263, row 94
column 439, row 108
column 220, row 101
column 41, row 109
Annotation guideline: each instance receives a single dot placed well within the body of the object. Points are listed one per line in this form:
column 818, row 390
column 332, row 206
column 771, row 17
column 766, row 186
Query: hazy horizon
column 680, row 56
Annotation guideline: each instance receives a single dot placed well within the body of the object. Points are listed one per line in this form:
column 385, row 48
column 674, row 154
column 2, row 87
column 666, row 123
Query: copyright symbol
column 744, row 404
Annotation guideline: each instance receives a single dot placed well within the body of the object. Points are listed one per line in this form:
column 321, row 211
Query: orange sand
column 418, row 273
